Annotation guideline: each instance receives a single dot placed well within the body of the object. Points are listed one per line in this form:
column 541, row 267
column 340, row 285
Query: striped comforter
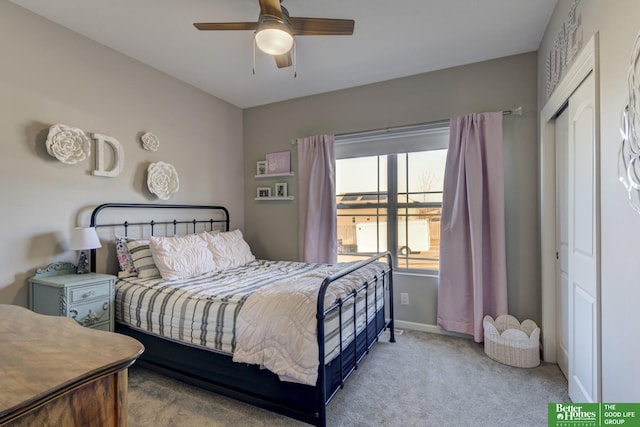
column 202, row 311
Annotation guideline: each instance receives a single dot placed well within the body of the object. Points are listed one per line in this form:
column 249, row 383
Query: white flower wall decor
column 150, row 142
column 67, row 144
column 162, row 180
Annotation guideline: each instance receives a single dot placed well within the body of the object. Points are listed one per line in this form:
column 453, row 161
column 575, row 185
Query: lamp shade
column 273, row 36
column 84, row 238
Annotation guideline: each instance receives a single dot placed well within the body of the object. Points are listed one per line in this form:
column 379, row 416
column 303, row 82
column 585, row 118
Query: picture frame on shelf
column 281, row 189
column 261, row 167
column 263, row 192
column 278, row 163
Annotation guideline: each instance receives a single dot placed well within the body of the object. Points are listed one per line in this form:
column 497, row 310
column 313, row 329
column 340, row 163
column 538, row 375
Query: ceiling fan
column 275, row 29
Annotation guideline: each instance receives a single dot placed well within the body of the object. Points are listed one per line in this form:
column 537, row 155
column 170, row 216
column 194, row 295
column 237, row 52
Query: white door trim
column 586, row 62
column 562, row 240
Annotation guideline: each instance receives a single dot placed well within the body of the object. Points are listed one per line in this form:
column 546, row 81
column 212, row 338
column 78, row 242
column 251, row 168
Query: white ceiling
column 391, row 39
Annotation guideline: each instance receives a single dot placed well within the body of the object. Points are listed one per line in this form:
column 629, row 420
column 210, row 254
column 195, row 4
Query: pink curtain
column 473, row 277
column 317, row 235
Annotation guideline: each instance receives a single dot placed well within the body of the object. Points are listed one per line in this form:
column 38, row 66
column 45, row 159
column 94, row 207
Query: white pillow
column 142, row 258
column 180, row 257
column 229, row 249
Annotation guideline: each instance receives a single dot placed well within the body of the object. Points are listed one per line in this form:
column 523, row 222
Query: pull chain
column 295, row 58
column 254, row 54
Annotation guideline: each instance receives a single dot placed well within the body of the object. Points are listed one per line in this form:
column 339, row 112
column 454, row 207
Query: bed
column 209, row 328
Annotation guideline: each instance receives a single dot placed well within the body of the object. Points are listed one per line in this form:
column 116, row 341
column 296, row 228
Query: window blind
column 397, row 140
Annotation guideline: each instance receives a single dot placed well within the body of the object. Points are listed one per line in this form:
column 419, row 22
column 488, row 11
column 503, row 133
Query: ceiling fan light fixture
column 273, row 36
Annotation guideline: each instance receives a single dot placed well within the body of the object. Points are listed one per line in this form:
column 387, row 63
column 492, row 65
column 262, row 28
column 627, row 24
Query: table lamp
column 81, row 240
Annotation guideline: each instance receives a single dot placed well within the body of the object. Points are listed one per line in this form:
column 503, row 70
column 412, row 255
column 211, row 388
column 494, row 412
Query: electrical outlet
column 404, row 298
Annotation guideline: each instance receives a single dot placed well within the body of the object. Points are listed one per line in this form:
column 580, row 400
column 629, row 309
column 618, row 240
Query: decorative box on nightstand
column 88, row 298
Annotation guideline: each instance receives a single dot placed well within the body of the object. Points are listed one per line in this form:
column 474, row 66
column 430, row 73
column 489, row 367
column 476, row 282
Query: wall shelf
column 288, row 198
column 273, row 175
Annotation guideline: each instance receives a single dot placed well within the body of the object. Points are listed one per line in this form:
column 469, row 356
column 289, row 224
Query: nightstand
column 87, row 298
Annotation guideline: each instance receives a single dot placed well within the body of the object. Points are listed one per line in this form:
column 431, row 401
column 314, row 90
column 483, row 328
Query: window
column 389, row 194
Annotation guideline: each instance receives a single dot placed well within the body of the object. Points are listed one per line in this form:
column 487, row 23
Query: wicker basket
column 508, row 341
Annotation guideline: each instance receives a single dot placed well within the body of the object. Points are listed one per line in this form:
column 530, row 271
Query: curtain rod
column 514, row 112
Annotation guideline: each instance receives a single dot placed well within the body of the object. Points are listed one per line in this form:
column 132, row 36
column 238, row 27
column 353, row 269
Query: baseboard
column 423, row 327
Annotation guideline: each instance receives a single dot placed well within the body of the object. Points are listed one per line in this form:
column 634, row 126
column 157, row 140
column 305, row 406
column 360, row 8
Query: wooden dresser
column 54, row 372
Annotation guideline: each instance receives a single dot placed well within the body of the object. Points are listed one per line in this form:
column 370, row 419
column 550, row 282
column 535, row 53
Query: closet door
column 583, row 246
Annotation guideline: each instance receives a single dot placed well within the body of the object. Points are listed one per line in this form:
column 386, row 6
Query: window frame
column 383, row 144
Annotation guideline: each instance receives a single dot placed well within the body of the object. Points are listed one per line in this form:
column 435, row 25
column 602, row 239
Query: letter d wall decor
column 118, row 156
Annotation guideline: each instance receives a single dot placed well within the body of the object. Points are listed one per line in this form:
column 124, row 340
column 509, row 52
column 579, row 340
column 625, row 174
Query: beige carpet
column 421, row 380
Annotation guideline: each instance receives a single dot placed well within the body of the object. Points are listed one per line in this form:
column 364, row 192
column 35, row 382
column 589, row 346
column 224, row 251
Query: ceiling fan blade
column 271, row 7
column 283, row 61
column 226, row 25
column 321, row 26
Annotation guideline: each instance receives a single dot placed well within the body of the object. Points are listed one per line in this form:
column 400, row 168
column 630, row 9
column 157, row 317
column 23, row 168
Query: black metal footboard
column 349, row 359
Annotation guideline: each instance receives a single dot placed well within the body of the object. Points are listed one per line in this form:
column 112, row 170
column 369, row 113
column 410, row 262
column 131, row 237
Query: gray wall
column 618, row 24
column 51, row 75
column 494, row 85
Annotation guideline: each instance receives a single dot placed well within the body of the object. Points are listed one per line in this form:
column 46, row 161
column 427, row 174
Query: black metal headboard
column 212, row 216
